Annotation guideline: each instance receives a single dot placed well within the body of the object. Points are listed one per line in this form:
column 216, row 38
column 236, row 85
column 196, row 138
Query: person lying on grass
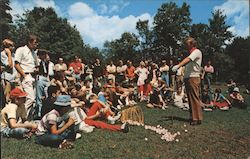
column 56, row 128
column 14, row 112
column 97, row 110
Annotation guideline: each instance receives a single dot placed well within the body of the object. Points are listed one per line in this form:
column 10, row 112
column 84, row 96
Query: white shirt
column 51, row 68
column 111, row 69
column 193, row 68
column 143, row 75
column 121, row 69
column 164, row 68
column 179, row 71
column 27, row 59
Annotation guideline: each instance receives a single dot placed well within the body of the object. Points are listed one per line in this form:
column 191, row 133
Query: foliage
column 90, row 54
column 146, row 37
column 6, row 19
column 172, row 25
column 219, row 33
column 55, row 33
column 124, row 48
column 201, row 32
column 239, row 51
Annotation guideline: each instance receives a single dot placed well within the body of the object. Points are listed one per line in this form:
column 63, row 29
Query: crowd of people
column 58, row 101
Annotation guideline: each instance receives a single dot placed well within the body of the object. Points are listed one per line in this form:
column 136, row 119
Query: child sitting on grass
column 56, row 128
column 12, row 112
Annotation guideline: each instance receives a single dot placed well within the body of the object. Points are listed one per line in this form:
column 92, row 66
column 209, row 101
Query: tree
column 124, row 48
column 239, row 51
column 217, row 41
column 146, row 37
column 201, row 32
column 90, row 54
column 55, row 33
column 6, row 19
column 172, row 25
column 219, row 33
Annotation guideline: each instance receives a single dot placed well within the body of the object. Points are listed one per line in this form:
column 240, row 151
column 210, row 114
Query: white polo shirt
column 26, row 58
column 121, row 69
column 111, row 69
column 193, row 68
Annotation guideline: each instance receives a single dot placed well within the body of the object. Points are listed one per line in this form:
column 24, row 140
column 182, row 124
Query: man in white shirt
column 26, row 62
column 121, row 70
column 192, row 79
column 111, row 69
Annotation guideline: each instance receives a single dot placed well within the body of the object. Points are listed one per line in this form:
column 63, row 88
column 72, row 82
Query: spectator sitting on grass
column 97, row 110
column 48, row 103
column 180, row 99
column 231, row 85
column 206, row 100
column 56, row 128
column 220, row 100
column 10, row 115
column 236, row 99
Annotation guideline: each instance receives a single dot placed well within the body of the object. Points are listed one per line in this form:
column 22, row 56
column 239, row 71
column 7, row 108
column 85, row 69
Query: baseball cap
column 63, row 100
column 17, row 92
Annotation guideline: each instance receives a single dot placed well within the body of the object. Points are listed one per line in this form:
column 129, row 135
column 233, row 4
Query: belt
column 31, row 73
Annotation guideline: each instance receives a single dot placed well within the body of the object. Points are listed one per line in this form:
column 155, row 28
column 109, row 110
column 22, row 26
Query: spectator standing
column 42, row 82
column 209, row 70
column 121, row 70
column 130, row 72
column 51, row 68
column 111, row 70
column 77, row 66
column 164, row 69
column 60, row 66
column 26, row 62
column 97, row 70
column 7, row 66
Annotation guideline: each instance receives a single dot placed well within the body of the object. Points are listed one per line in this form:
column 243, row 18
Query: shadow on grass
column 173, row 118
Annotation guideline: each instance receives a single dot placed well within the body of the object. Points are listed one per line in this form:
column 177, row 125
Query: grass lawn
column 223, row 134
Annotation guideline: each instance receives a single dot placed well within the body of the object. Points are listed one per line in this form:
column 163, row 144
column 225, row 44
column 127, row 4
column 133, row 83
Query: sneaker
column 125, row 128
column 66, row 145
column 224, row 108
column 112, row 120
column 78, row 135
column 208, row 109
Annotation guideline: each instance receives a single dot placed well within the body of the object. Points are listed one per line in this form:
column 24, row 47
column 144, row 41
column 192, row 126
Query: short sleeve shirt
column 26, row 58
column 7, row 75
column 12, row 111
column 111, row 69
column 193, row 68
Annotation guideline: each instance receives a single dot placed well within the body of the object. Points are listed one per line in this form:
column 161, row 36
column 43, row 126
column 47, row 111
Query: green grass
column 223, row 134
